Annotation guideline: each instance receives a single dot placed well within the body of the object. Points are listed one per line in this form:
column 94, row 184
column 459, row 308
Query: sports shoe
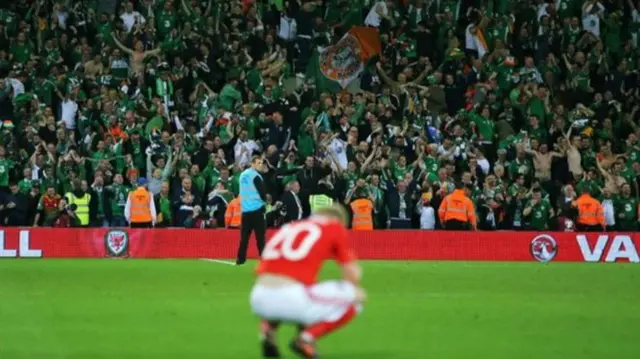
column 304, row 349
column 270, row 349
column 268, row 342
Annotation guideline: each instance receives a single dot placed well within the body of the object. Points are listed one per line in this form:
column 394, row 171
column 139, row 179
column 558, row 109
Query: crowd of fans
column 184, row 92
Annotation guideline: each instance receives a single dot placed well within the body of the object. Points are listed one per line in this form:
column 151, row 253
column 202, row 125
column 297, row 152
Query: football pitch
column 132, row 309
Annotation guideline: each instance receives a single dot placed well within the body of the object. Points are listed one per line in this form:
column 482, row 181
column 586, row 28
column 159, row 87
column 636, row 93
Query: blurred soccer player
column 286, row 289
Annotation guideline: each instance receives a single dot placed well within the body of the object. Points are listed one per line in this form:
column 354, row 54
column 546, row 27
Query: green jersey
column 5, row 167
column 9, row 19
column 540, row 214
column 229, row 97
column 118, row 200
column 25, row 185
column 626, row 209
column 520, row 166
column 165, row 208
column 484, row 125
column 165, row 22
column 431, row 164
column 21, row 52
column 400, row 172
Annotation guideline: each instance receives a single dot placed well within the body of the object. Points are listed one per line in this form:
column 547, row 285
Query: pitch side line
column 229, row 263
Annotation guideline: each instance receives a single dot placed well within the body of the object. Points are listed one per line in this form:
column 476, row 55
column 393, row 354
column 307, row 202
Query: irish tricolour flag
column 339, row 64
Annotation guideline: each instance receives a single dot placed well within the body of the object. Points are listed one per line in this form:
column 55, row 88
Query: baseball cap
column 142, row 181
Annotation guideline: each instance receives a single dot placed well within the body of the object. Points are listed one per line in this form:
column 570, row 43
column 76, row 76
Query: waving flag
column 338, row 65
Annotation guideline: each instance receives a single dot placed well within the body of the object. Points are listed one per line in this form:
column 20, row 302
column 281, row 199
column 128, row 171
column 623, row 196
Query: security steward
column 317, row 201
column 233, row 214
column 252, row 200
column 362, row 219
column 590, row 213
column 140, row 209
column 457, row 211
column 81, row 200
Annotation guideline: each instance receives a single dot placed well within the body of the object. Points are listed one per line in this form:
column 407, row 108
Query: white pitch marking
column 229, row 263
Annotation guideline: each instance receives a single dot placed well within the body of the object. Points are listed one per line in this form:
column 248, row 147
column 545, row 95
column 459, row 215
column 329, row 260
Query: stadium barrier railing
column 383, row 245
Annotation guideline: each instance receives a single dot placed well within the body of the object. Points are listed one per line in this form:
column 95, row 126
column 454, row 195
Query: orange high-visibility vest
column 457, row 206
column 233, row 214
column 590, row 211
column 362, row 218
column 140, row 209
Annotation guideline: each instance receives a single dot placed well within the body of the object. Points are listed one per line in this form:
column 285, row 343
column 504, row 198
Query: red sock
column 321, row 329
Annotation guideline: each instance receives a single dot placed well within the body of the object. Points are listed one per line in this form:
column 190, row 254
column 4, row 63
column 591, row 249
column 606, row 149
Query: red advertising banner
column 389, row 245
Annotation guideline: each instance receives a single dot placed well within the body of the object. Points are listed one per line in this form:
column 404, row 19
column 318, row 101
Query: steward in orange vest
column 362, row 209
column 140, row 209
column 233, row 214
column 457, row 211
column 590, row 213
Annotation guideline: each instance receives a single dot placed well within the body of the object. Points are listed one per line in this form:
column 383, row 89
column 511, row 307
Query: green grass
column 126, row 309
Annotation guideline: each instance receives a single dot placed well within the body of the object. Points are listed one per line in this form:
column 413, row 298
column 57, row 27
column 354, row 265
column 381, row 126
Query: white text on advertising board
column 24, row 249
column 621, row 248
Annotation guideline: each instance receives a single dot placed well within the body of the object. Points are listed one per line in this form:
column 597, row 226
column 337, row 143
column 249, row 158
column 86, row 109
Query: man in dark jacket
column 184, row 201
column 400, row 205
column 308, row 177
column 98, row 207
column 291, row 201
column 16, row 206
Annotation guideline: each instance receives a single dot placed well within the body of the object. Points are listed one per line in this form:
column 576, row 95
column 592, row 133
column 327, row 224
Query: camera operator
column 67, row 215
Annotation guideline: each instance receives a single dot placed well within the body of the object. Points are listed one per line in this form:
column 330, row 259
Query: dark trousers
column 304, row 46
column 142, row 225
column 399, row 223
column 587, row 228
column 254, row 221
column 118, row 221
column 456, row 225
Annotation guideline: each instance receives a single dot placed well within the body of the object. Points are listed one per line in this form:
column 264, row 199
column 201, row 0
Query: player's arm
column 352, row 272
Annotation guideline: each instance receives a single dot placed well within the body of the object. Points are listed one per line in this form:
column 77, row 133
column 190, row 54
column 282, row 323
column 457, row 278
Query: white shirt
column 62, row 19
column 298, row 203
column 17, row 86
column 339, row 148
column 484, row 165
column 427, row 218
column 469, row 41
column 609, row 212
column 288, row 28
column 130, row 19
column 591, row 22
column 373, row 18
column 243, row 157
column 69, row 112
column 152, row 208
column 542, row 11
column 35, row 173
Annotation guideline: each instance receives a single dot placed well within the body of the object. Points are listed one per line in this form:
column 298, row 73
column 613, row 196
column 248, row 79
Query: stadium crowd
column 524, row 103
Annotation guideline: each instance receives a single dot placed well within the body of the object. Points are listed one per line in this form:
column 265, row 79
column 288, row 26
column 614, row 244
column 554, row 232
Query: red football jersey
column 299, row 249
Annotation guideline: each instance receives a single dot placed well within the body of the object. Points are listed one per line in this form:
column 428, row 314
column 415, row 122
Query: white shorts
column 322, row 302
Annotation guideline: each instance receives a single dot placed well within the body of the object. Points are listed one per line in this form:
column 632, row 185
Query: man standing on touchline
column 252, row 201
